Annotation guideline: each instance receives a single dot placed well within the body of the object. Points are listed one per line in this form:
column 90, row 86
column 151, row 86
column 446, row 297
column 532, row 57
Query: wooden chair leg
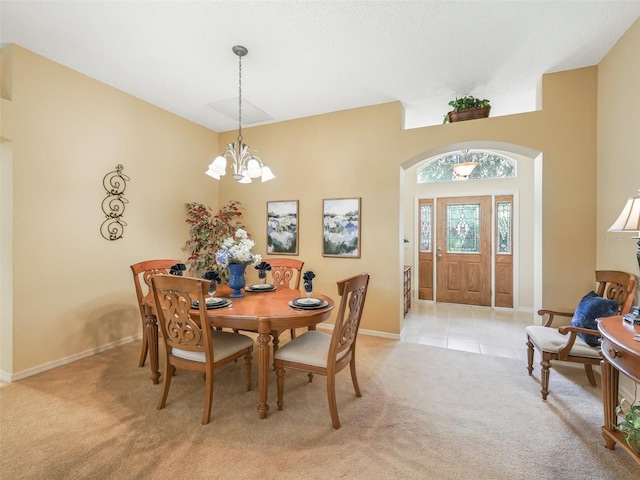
column 165, row 386
column 275, row 340
column 590, row 376
column 144, row 347
column 333, row 405
column 247, row 369
column 354, row 378
column 208, row 397
column 529, row 356
column 280, row 383
column 544, row 379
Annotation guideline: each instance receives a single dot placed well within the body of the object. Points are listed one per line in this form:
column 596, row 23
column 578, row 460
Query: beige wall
column 66, row 131
column 618, row 158
column 72, row 289
column 343, row 154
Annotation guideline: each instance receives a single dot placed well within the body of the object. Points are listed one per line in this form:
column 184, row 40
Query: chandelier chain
column 239, row 101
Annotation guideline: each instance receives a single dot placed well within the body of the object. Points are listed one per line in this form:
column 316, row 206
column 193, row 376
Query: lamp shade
column 253, row 168
column 267, row 174
column 629, row 218
column 218, row 166
column 464, row 169
column 212, row 173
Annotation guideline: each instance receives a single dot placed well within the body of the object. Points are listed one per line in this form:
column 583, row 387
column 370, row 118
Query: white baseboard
column 7, row 377
column 373, row 333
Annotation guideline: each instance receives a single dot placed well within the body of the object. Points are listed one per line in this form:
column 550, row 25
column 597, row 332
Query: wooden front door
column 463, row 250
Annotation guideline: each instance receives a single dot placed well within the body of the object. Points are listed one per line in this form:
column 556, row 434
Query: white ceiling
column 312, row 57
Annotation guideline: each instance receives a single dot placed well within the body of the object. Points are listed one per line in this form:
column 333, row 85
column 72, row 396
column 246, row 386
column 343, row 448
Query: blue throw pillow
column 589, row 309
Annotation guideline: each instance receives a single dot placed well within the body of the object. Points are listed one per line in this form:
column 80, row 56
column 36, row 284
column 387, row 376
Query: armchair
column 567, row 343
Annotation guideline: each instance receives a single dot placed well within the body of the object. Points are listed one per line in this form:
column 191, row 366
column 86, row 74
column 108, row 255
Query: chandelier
column 464, row 169
column 246, row 165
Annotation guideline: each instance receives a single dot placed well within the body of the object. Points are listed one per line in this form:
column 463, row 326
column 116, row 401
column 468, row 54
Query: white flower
column 237, row 251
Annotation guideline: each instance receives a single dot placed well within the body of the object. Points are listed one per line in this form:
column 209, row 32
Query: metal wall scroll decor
column 113, row 205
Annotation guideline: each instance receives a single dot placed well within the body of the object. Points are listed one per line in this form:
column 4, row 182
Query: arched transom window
column 489, row 165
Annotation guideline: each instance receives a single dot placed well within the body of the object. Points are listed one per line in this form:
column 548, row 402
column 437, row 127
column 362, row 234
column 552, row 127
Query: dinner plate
column 308, row 306
column 226, row 302
column 307, row 301
column 211, row 302
column 261, row 287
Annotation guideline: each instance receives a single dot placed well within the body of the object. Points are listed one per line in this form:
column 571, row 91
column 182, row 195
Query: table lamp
column 629, row 220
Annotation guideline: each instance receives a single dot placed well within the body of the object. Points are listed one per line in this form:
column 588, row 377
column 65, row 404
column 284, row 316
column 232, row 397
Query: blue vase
column 236, row 279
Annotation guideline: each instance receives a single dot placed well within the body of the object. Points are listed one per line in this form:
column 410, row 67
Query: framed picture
column 282, row 227
column 341, row 227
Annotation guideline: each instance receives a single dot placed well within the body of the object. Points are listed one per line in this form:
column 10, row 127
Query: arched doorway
column 527, row 202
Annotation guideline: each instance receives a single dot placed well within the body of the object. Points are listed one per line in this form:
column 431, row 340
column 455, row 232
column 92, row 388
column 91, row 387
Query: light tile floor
column 472, row 329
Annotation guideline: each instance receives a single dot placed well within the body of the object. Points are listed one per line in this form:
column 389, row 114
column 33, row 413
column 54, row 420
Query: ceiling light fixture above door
column 464, row 169
column 246, row 165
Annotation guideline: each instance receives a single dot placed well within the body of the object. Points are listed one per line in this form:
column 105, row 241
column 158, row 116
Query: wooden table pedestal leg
column 152, row 338
column 263, row 373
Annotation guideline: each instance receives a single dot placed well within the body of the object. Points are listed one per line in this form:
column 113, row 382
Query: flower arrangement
column 237, row 249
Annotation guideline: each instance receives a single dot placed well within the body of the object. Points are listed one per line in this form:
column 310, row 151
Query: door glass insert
column 504, row 228
column 463, row 232
column 425, row 228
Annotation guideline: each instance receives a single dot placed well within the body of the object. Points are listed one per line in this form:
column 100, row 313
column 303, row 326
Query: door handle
column 439, row 255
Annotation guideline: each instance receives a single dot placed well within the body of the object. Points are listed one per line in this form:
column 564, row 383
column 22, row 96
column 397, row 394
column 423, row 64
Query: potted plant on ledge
column 467, row 108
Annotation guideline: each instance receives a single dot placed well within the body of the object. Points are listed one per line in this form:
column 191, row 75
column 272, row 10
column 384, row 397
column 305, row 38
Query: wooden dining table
column 263, row 312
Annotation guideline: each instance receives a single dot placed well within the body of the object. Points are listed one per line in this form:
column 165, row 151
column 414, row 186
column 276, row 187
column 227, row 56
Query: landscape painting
column 341, row 227
column 282, row 227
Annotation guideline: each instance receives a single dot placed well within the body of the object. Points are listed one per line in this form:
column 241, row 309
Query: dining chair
column 285, row 274
column 327, row 354
column 579, row 342
column 191, row 343
column 142, row 272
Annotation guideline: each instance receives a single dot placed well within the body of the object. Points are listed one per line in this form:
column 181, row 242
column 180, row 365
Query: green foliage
column 207, row 232
column 630, row 425
column 468, row 102
column 464, row 103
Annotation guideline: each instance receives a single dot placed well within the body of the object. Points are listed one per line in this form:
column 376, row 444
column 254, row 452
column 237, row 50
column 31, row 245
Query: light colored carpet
column 425, row 413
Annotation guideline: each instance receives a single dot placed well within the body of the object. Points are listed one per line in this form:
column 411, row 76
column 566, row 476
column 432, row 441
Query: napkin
column 211, row 275
column 308, row 280
column 177, row 269
column 262, row 268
